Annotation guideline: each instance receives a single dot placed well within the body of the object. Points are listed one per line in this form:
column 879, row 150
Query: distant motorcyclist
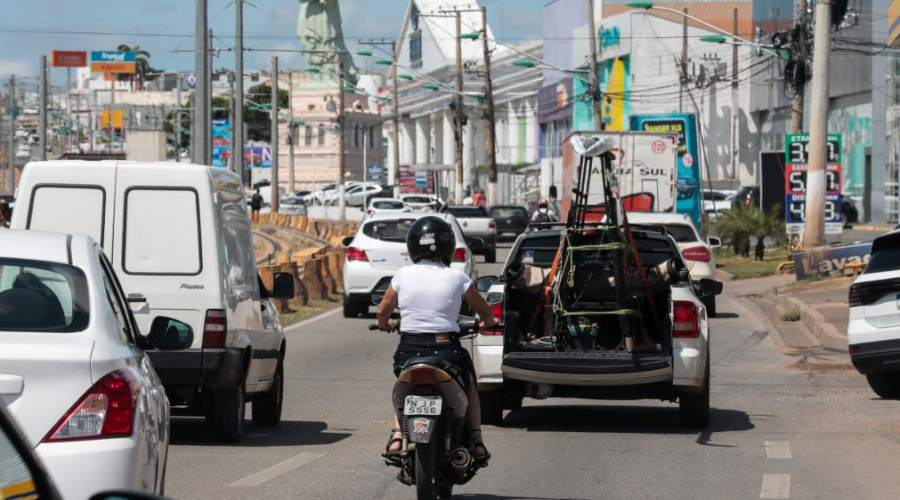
column 429, row 294
column 544, row 214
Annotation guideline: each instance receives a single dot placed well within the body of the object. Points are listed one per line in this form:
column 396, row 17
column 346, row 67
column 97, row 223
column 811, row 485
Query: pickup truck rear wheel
column 267, row 407
column 227, row 415
column 886, row 385
column 354, row 309
column 490, row 256
column 693, row 409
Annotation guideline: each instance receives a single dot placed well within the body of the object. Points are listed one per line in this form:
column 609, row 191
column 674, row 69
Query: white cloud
column 20, row 68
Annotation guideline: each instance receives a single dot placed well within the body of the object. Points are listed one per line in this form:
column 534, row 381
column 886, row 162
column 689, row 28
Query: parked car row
column 129, row 292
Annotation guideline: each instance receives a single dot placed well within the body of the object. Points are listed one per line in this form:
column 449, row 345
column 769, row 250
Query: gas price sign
column 795, row 189
column 797, row 149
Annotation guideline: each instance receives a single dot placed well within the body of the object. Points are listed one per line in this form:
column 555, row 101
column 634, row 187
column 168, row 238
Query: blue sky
column 31, row 28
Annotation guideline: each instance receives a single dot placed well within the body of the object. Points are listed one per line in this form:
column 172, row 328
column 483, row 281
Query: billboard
column 221, row 142
column 687, row 182
column 113, row 62
column 421, row 182
column 258, row 156
column 68, row 59
column 118, row 119
column 893, row 23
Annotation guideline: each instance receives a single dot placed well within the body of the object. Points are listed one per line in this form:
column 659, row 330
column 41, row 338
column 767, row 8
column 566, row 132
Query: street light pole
column 735, row 123
column 42, row 120
column 12, row 133
column 237, row 139
column 797, row 101
column 342, row 167
column 395, row 132
column 200, row 135
column 489, row 114
column 274, row 140
column 459, row 113
column 814, row 231
column 595, row 77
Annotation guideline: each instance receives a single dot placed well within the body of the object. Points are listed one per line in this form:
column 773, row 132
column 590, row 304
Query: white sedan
column 72, row 369
column 378, row 250
column 387, row 206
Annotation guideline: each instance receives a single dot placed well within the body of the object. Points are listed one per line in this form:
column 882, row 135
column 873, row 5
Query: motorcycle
column 430, row 398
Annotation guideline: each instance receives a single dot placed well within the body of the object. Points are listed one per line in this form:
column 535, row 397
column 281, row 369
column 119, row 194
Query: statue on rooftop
column 319, row 28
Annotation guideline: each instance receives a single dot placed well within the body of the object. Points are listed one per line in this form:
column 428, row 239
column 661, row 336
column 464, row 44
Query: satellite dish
column 191, row 81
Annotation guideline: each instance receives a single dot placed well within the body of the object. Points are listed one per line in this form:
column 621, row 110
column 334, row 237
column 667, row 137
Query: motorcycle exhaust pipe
column 460, row 462
column 539, row 391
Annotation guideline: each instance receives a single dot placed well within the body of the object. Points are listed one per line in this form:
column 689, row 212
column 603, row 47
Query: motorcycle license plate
column 422, row 405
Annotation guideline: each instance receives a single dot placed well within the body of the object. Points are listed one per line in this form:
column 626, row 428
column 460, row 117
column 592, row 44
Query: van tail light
column 357, row 254
column 686, row 320
column 460, row 255
column 855, row 298
column 107, row 410
column 497, row 309
column 214, row 328
column 492, row 224
column 698, row 254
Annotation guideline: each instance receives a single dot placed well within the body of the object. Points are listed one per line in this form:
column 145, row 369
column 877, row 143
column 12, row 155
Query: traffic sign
column 375, row 173
column 688, row 160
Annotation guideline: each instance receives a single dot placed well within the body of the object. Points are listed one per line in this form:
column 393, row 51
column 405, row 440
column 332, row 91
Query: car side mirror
column 484, row 283
column 283, row 286
column 709, row 288
column 475, row 244
column 124, row 495
column 167, row 334
column 714, row 242
column 347, row 241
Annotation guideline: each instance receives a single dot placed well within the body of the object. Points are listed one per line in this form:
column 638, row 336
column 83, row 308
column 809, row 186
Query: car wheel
column 353, row 309
column 710, row 303
column 491, row 256
column 491, row 407
column 693, row 409
column 886, row 385
column 267, row 407
column 228, row 415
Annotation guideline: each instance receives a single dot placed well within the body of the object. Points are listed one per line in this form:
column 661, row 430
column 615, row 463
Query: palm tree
column 144, row 72
column 742, row 222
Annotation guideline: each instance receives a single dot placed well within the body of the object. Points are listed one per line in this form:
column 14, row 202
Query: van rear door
column 161, row 246
column 68, row 197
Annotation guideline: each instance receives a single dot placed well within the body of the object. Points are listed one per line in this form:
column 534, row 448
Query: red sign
column 659, row 147
column 68, row 59
column 795, row 179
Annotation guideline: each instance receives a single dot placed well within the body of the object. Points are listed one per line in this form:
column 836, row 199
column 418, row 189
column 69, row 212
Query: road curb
column 870, row 227
column 824, row 331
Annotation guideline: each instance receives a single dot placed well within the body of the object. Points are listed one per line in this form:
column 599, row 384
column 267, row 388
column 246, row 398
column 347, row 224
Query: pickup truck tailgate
column 587, row 368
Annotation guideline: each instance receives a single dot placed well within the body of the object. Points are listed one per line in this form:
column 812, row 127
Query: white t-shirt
column 430, row 295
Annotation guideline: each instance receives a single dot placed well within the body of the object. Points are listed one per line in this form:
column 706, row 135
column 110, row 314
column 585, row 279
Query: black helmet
column 431, row 237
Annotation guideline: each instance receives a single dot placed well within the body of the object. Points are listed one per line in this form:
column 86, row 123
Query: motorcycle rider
column 429, row 294
column 543, row 214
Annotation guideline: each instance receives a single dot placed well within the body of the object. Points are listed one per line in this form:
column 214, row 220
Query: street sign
column 375, row 173
column 68, row 59
column 795, row 184
column 797, row 148
column 113, row 62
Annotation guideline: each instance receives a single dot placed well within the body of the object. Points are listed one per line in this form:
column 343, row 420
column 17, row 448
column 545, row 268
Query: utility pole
column 342, row 157
column 291, row 136
column 178, row 118
column 735, row 123
column 42, row 123
column 684, row 62
column 459, row 113
column 814, row 231
column 275, row 167
column 237, row 137
column 799, row 92
column 595, row 77
column 395, row 132
column 231, row 105
column 201, row 125
column 489, row 114
column 12, row 134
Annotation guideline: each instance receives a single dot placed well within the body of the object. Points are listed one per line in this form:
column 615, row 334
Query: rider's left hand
column 488, row 323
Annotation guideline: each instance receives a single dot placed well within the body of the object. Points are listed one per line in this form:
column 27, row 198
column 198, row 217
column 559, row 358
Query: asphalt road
column 786, row 423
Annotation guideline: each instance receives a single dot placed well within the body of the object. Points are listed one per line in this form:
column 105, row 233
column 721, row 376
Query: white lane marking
column 778, row 450
column 776, row 486
column 276, row 470
column 307, row 322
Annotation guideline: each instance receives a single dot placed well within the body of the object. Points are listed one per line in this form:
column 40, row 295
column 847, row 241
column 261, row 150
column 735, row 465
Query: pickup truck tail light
column 686, row 320
column 357, row 254
column 459, row 255
column 214, row 328
column 106, row 410
column 492, row 224
column 698, row 254
column 497, row 309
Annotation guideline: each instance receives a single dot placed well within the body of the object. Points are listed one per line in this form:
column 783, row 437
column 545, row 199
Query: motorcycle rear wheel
column 426, row 471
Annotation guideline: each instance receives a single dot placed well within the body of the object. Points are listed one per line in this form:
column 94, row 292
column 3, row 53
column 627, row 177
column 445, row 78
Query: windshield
column 538, row 251
column 42, row 297
column 682, row 233
column 466, row 212
column 417, row 199
column 388, row 230
column 387, row 205
column 508, row 212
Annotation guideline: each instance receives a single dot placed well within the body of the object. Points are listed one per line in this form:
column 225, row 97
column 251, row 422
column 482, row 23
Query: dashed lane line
column 778, row 450
column 276, row 470
column 776, row 486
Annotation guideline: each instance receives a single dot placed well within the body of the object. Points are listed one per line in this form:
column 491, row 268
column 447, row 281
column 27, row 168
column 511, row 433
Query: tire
column 267, row 407
column 490, row 257
column 352, row 309
column 445, row 491
column 885, row 385
column 426, row 470
column 491, row 407
column 227, row 415
column 693, row 409
column 710, row 303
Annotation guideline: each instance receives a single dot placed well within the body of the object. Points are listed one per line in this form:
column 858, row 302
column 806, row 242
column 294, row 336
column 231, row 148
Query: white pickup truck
column 479, row 229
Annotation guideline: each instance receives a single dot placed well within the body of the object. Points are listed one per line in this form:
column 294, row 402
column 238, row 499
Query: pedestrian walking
column 256, row 202
column 479, row 199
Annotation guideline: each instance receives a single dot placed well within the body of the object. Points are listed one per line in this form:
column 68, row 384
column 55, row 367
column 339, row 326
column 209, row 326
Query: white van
column 179, row 238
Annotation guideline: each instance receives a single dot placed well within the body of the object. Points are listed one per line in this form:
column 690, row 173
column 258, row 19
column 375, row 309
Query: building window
column 321, row 135
column 356, row 136
column 307, row 138
column 371, row 137
column 415, row 49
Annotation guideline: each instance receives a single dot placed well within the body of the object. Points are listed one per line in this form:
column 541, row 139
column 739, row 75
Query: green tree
column 144, row 72
column 740, row 223
column 259, row 124
column 221, row 107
